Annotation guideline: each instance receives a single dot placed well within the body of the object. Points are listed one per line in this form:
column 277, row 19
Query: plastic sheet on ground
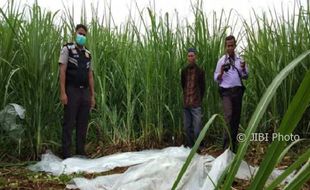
column 149, row 169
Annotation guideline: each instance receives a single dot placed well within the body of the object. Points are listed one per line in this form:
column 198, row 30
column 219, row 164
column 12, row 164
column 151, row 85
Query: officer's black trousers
column 232, row 104
column 76, row 114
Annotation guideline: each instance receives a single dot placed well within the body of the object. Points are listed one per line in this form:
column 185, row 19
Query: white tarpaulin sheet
column 150, row 169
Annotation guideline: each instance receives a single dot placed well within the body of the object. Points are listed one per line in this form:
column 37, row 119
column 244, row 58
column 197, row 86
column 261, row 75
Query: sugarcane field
column 155, row 95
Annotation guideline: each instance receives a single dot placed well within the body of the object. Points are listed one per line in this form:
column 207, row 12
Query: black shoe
column 200, row 149
column 234, row 149
column 66, row 156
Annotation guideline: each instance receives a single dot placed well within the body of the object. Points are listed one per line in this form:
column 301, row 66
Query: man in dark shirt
column 193, row 84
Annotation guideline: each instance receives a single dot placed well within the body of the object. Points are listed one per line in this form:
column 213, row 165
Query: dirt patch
column 22, row 178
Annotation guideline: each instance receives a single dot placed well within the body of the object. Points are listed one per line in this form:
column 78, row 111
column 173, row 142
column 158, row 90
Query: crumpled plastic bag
column 9, row 120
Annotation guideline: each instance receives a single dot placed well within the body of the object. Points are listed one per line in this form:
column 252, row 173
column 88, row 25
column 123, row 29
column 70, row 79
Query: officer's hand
column 63, row 99
column 92, row 102
column 222, row 70
column 242, row 65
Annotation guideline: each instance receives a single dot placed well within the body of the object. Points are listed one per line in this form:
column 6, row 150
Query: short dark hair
column 230, row 37
column 192, row 49
column 81, row 26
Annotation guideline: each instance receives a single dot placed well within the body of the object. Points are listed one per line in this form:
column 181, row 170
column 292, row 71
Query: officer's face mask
column 80, row 39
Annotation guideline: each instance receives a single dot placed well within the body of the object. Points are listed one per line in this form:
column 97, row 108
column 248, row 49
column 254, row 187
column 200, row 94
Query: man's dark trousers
column 192, row 124
column 76, row 114
column 232, row 104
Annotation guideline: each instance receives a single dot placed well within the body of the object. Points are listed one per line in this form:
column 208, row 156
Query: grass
column 275, row 151
column 137, row 74
column 20, row 178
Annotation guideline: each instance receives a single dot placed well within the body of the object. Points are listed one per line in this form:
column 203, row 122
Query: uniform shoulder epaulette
column 70, row 45
column 87, row 51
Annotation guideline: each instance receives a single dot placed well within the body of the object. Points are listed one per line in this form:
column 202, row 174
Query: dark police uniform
column 76, row 112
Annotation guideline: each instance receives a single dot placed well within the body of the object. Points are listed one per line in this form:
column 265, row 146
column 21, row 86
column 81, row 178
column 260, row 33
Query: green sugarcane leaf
column 299, row 162
column 258, row 114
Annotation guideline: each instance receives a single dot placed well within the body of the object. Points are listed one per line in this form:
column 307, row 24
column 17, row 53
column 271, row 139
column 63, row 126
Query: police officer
column 229, row 72
column 76, row 90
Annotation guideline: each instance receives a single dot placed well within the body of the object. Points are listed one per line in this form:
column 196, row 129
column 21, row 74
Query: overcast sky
column 120, row 8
